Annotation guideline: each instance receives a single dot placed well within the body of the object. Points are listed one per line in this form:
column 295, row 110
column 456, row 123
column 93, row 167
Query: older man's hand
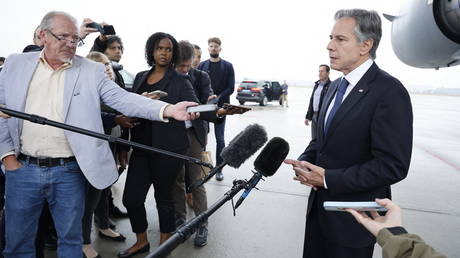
column 3, row 115
column 179, row 111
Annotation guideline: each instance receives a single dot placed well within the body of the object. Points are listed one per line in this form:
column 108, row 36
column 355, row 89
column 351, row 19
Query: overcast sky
column 263, row 39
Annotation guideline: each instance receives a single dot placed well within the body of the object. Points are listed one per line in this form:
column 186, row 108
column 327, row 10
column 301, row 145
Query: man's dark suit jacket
column 225, row 86
column 202, row 86
column 310, row 112
column 367, row 148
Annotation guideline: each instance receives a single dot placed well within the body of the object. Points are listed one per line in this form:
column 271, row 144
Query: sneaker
column 219, row 176
column 201, row 237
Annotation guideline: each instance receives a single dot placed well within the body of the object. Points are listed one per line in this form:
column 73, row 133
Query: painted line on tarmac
column 435, row 155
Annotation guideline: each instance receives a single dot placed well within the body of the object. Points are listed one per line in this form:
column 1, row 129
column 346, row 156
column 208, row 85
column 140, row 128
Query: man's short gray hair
column 47, row 21
column 368, row 26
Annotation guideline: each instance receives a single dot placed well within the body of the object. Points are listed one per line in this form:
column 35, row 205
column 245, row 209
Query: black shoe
column 219, row 176
column 201, row 237
column 126, row 253
column 119, row 238
column 115, row 212
column 111, row 223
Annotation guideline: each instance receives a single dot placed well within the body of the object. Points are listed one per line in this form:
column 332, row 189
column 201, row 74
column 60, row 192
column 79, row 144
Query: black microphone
column 266, row 164
column 243, row 146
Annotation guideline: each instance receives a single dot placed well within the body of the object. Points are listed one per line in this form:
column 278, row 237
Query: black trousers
column 144, row 170
column 317, row 246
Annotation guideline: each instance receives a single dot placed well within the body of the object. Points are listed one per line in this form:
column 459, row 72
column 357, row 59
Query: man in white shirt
column 363, row 143
column 45, row 163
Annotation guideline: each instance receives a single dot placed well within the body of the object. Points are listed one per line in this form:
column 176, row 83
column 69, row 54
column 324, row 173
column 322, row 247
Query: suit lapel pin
column 360, row 90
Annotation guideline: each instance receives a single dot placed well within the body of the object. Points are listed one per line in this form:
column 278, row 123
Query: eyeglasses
column 74, row 40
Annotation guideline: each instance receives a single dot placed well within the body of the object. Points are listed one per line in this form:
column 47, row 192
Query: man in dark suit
column 316, row 99
column 197, row 132
column 364, row 140
column 223, row 85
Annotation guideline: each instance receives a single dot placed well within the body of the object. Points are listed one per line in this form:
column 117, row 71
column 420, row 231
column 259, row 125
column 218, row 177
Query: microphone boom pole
column 44, row 121
column 186, row 230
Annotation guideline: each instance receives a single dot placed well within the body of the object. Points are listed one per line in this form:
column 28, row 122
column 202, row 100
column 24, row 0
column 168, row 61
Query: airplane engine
column 426, row 33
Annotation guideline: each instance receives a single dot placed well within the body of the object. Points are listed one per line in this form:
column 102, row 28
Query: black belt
column 46, row 162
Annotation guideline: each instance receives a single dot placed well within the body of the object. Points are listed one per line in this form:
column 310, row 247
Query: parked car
column 259, row 91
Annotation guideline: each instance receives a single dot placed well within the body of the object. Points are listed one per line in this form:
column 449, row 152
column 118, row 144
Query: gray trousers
column 194, row 172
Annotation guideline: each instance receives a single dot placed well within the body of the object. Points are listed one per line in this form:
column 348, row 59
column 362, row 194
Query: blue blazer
column 225, row 85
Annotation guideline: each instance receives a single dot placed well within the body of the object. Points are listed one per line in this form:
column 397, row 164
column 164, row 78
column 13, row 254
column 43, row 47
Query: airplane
column 426, row 33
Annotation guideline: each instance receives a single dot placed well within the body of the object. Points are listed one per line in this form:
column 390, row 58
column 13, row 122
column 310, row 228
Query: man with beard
column 223, row 85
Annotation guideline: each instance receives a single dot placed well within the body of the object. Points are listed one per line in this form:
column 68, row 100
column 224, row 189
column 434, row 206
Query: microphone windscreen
column 244, row 145
column 271, row 156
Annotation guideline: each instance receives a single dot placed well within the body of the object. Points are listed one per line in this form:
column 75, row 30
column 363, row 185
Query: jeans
column 27, row 188
column 219, row 132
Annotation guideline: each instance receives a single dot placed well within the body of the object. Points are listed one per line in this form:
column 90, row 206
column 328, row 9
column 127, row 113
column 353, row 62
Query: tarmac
column 271, row 221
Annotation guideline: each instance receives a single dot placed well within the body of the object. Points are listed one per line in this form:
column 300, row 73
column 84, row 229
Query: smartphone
column 230, row 106
column 202, row 108
column 159, row 93
column 96, row 26
column 359, row 206
column 108, row 30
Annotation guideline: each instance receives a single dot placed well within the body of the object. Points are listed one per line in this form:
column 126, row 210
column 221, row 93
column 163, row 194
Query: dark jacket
column 405, row 246
column 225, row 86
column 367, row 148
column 202, row 86
column 310, row 112
column 172, row 135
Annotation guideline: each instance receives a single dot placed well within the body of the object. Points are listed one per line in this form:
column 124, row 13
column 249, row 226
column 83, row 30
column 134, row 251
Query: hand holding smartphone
column 104, row 30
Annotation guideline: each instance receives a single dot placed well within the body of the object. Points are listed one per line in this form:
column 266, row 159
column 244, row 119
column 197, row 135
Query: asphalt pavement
column 271, row 221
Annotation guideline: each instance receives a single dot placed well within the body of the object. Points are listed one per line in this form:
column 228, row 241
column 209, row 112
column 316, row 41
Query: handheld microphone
column 243, row 146
column 266, row 164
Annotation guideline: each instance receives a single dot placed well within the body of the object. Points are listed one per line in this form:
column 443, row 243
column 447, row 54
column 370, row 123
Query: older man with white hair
column 46, row 163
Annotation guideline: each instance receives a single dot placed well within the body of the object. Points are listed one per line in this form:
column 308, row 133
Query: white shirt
column 46, row 98
column 353, row 78
column 317, row 96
